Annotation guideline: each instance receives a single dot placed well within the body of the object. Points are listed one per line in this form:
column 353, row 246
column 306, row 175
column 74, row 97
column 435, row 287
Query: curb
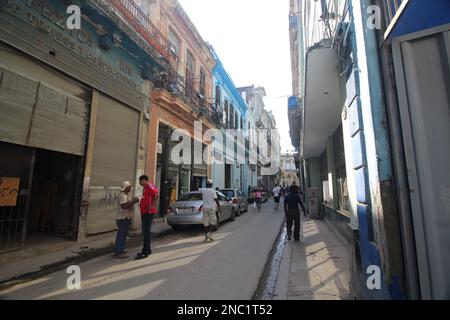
column 87, row 255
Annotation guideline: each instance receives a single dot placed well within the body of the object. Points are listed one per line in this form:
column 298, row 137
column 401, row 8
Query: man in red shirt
column 148, row 211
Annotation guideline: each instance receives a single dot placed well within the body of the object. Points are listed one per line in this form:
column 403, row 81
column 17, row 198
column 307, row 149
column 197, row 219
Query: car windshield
column 228, row 193
column 190, row 197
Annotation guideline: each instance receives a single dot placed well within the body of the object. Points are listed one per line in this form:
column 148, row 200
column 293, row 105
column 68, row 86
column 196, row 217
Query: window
column 202, row 86
column 190, row 197
column 218, row 97
column 174, row 44
column 227, row 192
column 232, row 117
column 227, row 113
column 327, row 196
column 341, row 173
column 189, row 69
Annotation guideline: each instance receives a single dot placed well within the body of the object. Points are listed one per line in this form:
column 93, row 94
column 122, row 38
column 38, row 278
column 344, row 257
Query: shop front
column 170, row 113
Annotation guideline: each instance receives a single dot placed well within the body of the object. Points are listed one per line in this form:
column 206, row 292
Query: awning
column 323, row 99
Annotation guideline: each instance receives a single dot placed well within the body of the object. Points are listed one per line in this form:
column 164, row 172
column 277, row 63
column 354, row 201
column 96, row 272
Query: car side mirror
column 229, row 199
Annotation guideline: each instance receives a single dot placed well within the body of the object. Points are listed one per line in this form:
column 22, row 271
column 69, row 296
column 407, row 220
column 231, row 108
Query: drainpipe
column 399, row 166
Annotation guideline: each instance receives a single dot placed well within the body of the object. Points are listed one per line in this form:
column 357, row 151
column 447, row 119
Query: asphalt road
column 181, row 267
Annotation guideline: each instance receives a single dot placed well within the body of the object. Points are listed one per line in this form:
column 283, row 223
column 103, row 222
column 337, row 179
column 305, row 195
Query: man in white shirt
column 276, row 196
column 125, row 212
column 209, row 197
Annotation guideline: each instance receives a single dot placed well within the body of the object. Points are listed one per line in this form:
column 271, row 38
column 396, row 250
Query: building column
column 88, row 166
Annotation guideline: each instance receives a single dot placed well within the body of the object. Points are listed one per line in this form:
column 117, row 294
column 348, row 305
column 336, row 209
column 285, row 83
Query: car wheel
column 218, row 220
column 233, row 215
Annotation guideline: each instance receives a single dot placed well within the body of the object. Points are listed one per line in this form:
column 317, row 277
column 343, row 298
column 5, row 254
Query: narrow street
column 181, row 267
column 130, row 122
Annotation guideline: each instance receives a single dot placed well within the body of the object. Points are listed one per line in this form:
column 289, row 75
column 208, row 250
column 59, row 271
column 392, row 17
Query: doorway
column 48, row 198
column 55, row 194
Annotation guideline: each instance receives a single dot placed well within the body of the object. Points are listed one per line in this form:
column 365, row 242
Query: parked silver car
column 188, row 210
column 238, row 198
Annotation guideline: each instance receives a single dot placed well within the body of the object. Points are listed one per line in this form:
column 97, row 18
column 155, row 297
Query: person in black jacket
column 292, row 202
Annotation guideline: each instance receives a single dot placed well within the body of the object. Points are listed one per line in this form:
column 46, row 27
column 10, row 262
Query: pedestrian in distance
column 125, row 213
column 258, row 199
column 210, row 201
column 148, row 211
column 295, row 188
column 292, row 202
column 276, row 196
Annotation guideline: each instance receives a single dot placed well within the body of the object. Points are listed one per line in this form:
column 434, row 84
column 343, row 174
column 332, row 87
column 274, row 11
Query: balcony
column 323, row 99
column 142, row 24
column 178, row 86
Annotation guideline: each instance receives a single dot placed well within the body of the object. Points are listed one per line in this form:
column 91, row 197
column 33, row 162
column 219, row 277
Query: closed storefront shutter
column 114, row 161
column 41, row 108
column 17, row 98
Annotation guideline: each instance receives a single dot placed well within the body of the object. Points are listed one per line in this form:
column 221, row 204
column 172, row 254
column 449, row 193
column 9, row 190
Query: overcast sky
column 251, row 38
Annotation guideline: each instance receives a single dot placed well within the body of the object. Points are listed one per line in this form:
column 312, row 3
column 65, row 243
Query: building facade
column 265, row 144
column 362, row 139
column 73, row 124
column 182, row 98
column 230, row 170
column 288, row 170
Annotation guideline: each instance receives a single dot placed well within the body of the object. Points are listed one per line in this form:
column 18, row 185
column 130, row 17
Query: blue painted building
column 231, row 167
column 374, row 119
column 415, row 65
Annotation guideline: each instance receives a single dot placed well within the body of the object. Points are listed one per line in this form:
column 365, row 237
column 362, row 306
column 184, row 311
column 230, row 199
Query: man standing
column 148, row 211
column 125, row 213
column 209, row 197
column 292, row 211
column 295, row 188
column 276, row 195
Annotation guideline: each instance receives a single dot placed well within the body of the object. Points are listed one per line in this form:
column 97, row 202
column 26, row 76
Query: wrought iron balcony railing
column 179, row 86
column 142, row 24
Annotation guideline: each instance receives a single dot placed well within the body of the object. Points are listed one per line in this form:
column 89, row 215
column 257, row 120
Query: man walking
column 209, row 197
column 148, row 211
column 276, row 196
column 292, row 211
column 125, row 213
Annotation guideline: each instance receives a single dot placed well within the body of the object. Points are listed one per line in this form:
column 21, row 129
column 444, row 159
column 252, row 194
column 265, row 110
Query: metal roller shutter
column 115, row 152
column 35, row 114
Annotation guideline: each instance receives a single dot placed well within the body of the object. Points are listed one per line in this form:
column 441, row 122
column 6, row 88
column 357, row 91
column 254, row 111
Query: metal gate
column 13, row 218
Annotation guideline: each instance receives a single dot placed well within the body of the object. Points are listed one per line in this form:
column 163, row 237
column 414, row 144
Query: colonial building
column 267, row 148
column 182, row 95
column 230, row 169
column 288, row 170
column 74, row 108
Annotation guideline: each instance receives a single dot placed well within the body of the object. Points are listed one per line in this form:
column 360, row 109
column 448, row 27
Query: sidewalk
column 43, row 258
column 315, row 268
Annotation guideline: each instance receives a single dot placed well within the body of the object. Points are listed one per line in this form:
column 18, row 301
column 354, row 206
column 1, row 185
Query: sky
column 251, row 38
